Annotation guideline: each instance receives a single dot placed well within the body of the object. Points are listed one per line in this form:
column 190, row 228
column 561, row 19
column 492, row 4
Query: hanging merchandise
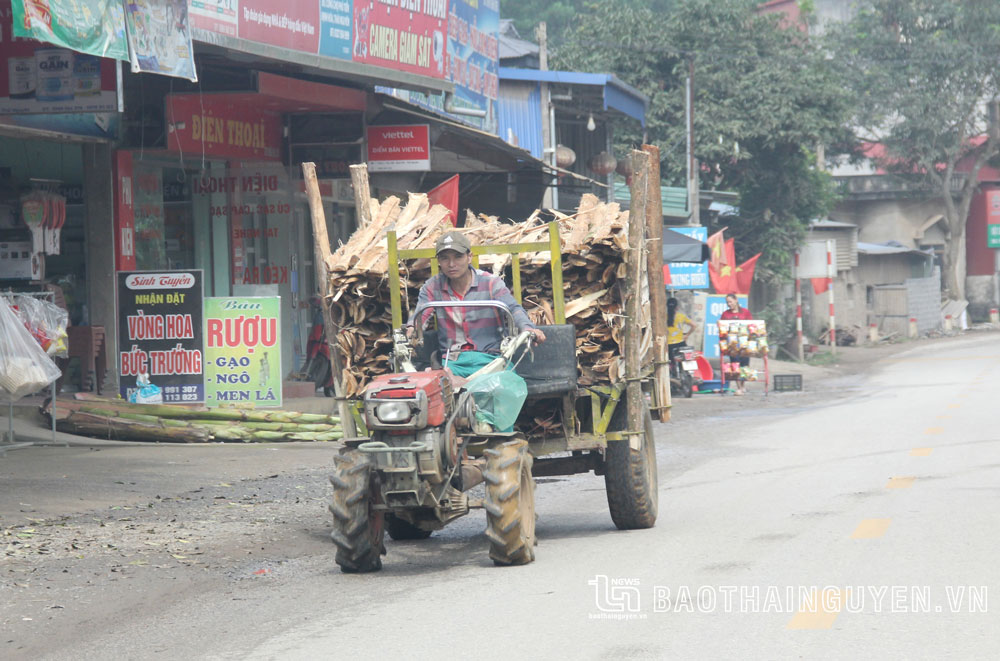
column 46, row 322
column 34, row 214
column 55, row 219
column 24, row 366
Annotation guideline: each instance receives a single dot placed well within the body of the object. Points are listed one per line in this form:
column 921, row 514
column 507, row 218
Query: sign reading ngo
column 404, row 148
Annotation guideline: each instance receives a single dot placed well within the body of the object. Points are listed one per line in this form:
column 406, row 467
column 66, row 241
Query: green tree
column 560, row 16
column 764, row 97
column 925, row 74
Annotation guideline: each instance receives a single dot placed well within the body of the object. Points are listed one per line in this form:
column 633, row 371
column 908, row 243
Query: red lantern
column 603, row 164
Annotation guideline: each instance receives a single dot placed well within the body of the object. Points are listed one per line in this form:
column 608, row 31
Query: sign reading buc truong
column 160, row 332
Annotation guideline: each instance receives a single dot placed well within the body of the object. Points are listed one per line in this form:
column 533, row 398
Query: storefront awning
column 680, row 248
column 608, row 90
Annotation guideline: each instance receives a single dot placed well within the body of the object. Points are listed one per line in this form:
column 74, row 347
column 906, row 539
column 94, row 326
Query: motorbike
column 683, row 371
column 317, row 366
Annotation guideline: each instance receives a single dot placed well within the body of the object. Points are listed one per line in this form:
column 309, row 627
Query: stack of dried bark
column 594, row 242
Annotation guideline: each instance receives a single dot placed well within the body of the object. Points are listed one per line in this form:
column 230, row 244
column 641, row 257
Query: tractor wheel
column 510, row 503
column 630, row 475
column 401, row 529
column 358, row 529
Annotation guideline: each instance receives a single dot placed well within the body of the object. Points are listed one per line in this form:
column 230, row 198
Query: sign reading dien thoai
column 222, row 125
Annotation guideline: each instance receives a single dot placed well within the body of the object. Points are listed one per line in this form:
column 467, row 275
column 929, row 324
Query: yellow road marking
column 821, row 613
column 944, row 417
column 920, row 452
column 934, row 430
column 954, row 406
column 900, row 482
column 871, row 528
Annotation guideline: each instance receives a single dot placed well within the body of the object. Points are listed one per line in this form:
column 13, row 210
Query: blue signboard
column 689, row 276
column 715, row 305
column 473, row 64
column 336, row 20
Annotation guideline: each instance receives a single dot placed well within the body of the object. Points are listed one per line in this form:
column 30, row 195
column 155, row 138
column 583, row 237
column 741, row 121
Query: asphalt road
column 880, row 507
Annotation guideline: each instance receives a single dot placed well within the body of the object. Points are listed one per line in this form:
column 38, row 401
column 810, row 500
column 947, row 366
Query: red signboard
column 399, row 148
column 405, row 35
column 292, row 24
column 217, row 125
column 124, row 213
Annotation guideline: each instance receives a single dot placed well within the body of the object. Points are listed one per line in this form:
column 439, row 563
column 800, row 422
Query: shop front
column 226, row 197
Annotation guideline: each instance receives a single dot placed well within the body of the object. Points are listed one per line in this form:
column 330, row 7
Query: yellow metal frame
column 552, row 246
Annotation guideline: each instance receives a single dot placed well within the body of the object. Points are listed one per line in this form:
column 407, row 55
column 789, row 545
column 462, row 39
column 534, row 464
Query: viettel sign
column 403, row 148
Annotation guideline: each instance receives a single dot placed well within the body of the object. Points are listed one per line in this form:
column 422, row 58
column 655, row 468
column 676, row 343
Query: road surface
column 865, row 525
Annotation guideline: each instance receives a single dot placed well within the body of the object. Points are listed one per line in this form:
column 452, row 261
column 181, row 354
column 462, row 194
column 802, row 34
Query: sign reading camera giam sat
column 160, row 317
column 403, row 148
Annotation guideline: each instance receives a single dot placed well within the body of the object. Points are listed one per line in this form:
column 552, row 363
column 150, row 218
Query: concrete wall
column 98, row 195
column 924, row 299
column 880, row 221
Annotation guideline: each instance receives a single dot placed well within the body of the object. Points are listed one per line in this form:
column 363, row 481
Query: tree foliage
column 764, row 97
column 923, row 73
column 560, row 16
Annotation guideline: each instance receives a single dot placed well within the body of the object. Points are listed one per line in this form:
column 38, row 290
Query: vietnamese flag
column 446, row 194
column 744, row 274
column 716, row 250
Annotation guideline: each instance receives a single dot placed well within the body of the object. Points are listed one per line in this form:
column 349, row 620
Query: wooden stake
column 657, row 290
column 362, row 194
column 634, row 257
column 321, row 248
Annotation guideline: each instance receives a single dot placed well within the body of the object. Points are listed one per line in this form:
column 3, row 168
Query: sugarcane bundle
column 118, row 420
column 594, row 244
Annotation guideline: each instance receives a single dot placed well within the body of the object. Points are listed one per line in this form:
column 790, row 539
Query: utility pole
column 550, row 200
column 694, row 203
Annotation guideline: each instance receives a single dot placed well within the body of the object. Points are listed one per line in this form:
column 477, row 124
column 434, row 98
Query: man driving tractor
column 468, row 338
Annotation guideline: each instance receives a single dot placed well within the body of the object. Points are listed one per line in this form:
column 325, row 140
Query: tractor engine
column 408, row 417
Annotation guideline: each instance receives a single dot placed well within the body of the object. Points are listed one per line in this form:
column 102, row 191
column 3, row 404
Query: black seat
column 550, row 369
column 425, row 352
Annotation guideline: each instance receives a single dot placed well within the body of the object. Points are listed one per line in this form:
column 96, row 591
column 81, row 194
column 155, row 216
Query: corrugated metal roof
column 892, row 248
column 674, row 199
column 617, row 94
column 510, row 43
column 519, row 115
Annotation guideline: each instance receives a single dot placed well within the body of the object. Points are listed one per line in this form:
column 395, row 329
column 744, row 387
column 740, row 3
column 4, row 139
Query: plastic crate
column 787, row 382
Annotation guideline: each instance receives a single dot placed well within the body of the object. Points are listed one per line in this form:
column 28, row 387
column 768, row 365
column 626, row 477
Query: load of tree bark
column 594, row 244
column 117, row 420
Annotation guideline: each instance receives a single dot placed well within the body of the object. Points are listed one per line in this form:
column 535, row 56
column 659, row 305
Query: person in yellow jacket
column 676, row 321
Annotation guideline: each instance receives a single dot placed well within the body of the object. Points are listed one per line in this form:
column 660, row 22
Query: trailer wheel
column 510, row 503
column 630, row 475
column 401, row 529
column 358, row 528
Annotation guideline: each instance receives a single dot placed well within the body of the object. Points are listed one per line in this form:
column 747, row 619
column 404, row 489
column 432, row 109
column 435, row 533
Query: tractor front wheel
column 510, row 503
column 358, row 528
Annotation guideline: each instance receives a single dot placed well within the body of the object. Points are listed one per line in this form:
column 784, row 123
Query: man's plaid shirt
column 471, row 329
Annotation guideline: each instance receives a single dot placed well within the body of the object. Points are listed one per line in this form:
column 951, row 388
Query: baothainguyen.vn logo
column 623, row 599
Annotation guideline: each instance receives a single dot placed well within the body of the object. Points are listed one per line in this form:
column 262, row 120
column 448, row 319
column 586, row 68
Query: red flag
column 666, row 275
column 820, row 285
column 446, row 194
column 744, row 274
column 715, row 247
